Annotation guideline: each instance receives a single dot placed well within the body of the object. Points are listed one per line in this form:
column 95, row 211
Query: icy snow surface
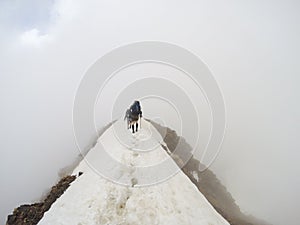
column 92, row 199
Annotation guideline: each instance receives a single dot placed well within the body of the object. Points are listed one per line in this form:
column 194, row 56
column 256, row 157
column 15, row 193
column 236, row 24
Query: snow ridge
column 92, row 199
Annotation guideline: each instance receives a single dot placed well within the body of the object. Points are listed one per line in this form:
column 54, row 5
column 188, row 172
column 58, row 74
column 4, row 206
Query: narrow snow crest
column 111, row 192
column 121, row 156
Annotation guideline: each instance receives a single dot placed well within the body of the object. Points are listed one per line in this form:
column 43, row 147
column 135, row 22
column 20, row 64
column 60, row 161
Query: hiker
column 133, row 114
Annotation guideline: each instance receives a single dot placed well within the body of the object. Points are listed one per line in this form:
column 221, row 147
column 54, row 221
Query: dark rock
column 32, row 214
column 208, row 184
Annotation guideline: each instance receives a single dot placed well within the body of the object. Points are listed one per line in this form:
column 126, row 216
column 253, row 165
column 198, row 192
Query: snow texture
column 92, row 199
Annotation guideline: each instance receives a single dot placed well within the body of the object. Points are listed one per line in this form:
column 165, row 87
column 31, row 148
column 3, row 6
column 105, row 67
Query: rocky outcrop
column 32, row 214
column 206, row 181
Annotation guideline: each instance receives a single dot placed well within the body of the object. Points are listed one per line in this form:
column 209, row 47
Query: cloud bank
column 252, row 49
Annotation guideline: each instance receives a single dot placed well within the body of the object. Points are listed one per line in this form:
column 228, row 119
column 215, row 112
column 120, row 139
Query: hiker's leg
column 132, row 126
column 137, row 126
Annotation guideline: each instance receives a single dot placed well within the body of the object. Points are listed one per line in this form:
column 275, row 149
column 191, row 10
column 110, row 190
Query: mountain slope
column 91, row 199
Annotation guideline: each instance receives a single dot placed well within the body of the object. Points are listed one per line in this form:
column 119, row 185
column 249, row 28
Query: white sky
column 251, row 47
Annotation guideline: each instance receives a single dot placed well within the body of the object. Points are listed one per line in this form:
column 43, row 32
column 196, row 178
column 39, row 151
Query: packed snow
column 92, row 199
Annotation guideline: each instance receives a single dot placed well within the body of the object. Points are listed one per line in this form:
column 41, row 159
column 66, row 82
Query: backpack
column 135, row 108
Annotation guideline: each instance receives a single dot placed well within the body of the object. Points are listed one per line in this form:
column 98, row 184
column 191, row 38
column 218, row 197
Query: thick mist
column 252, row 48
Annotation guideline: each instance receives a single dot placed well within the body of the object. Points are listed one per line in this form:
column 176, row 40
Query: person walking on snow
column 133, row 114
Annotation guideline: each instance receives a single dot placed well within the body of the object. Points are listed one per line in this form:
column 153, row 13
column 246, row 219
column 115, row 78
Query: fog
column 252, row 49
